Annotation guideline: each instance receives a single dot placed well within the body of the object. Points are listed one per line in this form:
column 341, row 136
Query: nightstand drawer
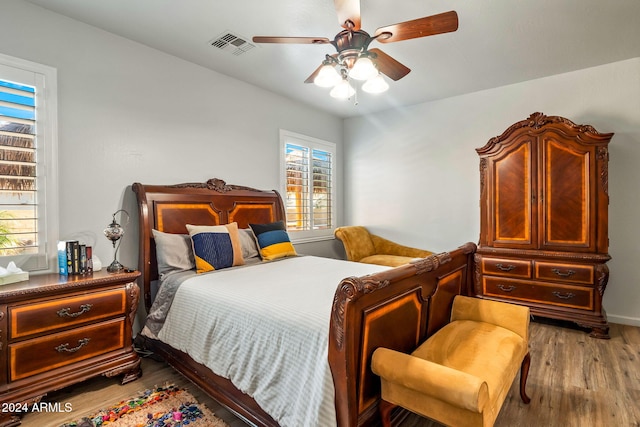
column 570, row 273
column 46, row 353
column 47, row 316
column 506, row 267
column 560, row 295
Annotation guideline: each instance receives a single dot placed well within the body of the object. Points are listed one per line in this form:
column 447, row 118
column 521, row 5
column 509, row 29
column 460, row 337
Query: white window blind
column 309, row 166
column 28, row 215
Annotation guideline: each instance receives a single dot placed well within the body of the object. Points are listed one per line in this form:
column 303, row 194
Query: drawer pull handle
column 64, row 348
column 506, row 288
column 569, row 273
column 560, row 295
column 83, row 309
column 505, row 268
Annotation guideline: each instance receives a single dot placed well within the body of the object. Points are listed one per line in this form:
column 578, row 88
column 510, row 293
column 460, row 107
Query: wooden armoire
column 544, row 218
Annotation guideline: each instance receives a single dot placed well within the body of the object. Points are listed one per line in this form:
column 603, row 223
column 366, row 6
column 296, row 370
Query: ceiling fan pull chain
column 355, row 96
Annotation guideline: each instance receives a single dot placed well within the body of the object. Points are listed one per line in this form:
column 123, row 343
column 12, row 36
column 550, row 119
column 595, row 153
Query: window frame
column 44, row 78
column 305, row 236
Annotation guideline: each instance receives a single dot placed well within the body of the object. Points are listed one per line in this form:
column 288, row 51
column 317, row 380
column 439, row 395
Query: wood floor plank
column 574, row 380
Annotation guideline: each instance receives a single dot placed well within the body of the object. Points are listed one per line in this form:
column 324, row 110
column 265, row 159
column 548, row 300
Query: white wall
column 412, row 174
column 129, row 113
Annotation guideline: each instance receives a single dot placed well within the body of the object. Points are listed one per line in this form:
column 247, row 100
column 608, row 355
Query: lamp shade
column 342, row 90
column 327, row 76
column 375, row 84
column 114, row 231
column 363, row 69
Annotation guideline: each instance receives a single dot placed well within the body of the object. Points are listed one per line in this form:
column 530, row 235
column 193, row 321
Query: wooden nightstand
column 57, row 330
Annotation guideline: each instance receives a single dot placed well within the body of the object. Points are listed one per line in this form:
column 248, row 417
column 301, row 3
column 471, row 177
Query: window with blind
column 27, row 165
column 309, row 184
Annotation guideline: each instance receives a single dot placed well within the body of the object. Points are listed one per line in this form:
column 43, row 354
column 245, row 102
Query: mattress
column 264, row 327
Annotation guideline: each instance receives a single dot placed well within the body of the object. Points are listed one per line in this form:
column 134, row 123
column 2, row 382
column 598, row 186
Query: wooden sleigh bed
column 396, row 308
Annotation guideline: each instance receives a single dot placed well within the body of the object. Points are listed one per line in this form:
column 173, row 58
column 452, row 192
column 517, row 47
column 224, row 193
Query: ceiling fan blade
column 421, row 27
column 296, row 40
column 348, row 11
column 389, row 66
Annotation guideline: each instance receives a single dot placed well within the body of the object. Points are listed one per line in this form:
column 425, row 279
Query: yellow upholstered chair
column 460, row 376
column 362, row 246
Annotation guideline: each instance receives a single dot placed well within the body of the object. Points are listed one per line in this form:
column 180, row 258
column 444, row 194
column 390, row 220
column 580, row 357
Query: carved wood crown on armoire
column 544, row 220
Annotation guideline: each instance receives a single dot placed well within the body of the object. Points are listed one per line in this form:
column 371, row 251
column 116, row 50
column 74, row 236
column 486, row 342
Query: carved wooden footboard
column 397, row 308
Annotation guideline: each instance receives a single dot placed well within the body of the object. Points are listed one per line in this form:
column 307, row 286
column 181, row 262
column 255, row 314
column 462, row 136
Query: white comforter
column 266, row 328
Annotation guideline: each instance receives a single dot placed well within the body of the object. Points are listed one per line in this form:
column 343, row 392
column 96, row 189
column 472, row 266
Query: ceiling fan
column 354, row 59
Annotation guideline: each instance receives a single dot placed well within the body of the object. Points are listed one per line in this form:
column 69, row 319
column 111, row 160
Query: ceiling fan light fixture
column 327, row 76
column 376, row 84
column 363, row 69
column 342, row 90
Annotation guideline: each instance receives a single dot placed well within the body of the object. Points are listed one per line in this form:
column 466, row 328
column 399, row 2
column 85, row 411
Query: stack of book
column 74, row 258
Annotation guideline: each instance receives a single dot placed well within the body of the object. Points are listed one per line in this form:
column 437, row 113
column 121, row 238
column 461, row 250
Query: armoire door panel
column 565, row 203
column 513, row 198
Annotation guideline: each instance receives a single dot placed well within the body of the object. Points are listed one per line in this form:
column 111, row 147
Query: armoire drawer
column 569, row 273
column 31, row 357
column 54, row 314
column 507, row 267
column 580, row 297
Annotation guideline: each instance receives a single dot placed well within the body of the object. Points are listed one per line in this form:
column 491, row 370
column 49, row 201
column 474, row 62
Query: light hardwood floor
column 574, row 380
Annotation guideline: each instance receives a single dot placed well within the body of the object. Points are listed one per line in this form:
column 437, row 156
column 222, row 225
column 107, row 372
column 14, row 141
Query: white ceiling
column 498, row 42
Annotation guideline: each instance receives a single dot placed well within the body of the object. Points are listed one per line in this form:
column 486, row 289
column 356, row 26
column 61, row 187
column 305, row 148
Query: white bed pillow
column 173, row 252
column 248, row 243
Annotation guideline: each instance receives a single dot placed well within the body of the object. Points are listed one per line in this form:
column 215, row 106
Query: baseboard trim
column 623, row 320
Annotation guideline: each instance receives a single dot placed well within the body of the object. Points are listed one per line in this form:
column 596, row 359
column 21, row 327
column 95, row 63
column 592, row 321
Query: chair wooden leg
column 524, row 373
column 385, row 409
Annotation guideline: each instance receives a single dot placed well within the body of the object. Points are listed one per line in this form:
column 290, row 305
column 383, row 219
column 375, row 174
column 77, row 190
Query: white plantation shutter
column 297, row 193
column 27, row 164
column 309, row 166
column 18, row 186
column 321, row 188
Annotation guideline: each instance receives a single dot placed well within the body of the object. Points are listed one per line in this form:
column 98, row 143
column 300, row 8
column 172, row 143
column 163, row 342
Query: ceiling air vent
column 232, row 43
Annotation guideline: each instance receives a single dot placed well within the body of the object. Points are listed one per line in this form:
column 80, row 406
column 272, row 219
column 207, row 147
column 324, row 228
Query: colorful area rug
column 167, row 406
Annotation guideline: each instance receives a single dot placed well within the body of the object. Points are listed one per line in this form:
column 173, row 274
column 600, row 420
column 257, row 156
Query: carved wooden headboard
column 168, row 208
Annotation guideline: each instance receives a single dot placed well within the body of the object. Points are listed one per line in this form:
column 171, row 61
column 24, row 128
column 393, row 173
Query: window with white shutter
column 308, row 166
column 27, row 164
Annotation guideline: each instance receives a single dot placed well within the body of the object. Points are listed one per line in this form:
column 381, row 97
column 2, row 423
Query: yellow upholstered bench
column 460, row 376
column 362, row 246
